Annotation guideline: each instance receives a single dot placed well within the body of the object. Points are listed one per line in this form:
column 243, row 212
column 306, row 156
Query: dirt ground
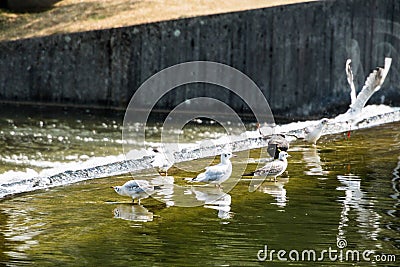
column 84, row 15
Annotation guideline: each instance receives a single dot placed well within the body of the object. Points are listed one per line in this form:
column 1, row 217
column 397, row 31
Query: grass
column 85, row 15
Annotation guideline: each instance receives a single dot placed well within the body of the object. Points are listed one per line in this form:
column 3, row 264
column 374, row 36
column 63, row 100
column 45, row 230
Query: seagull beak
column 112, row 187
column 234, row 156
column 289, row 156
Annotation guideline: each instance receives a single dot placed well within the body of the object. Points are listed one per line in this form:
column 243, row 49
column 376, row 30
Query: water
column 179, row 145
column 345, row 189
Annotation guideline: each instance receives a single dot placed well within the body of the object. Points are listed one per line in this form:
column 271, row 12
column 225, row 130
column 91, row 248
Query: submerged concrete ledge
column 296, row 54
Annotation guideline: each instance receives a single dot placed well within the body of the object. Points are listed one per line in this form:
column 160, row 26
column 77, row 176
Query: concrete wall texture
column 296, row 54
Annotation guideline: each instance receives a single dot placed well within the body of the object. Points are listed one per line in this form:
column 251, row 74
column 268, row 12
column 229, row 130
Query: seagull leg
column 349, row 132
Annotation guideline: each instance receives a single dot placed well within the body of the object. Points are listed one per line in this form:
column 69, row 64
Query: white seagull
column 372, row 84
column 136, row 189
column 161, row 161
column 273, row 168
column 217, row 174
column 313, row 133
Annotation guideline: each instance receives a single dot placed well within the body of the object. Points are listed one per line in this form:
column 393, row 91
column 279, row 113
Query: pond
column 341, row 195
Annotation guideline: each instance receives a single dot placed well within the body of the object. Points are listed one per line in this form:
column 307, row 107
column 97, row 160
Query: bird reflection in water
column 214, row 198
column 313, row 160
column 356, row 199
column 396, row 188
column 275, row 189
column 165, row 189
column 136, row 213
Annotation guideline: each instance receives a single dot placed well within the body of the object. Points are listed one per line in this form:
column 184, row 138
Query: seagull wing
column 213, row 173
column 372, row 84
column 160, row 160
column 136, row 186
column 309, row 129
column 273, row 168
column 350, row 80
column 131, row 186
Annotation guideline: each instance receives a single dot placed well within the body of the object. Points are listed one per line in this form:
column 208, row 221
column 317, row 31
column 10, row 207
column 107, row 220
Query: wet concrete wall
column 296, row 54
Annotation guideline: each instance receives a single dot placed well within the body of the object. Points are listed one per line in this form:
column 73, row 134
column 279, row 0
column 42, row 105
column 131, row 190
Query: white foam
column 13, row 182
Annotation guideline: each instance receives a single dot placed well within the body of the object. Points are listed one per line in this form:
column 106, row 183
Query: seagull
column 276, row 144
column 312, row 134
column 160, row 161
column 136, row 189
column 219, row 173
column 372, row 84
column 273, row 168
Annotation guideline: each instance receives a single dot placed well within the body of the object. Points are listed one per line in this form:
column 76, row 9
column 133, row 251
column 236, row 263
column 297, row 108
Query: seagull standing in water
column 312, row 134
column 136, row 189
column 217, row 174
column 273, row 168
column 161, row 161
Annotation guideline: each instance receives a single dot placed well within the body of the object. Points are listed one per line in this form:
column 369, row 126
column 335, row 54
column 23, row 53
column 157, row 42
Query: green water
column 347, row 189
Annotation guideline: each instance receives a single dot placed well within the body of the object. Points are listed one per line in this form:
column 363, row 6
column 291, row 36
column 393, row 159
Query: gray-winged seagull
column 273, row 168
column 136, row 189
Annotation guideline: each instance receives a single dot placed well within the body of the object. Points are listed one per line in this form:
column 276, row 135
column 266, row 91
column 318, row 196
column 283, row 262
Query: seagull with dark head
column 276, row 143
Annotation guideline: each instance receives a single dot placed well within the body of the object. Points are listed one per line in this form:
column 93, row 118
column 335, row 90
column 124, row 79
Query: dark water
column 342, row 189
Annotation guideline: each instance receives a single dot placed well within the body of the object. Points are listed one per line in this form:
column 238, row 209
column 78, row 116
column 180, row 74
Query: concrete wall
column 296, row 54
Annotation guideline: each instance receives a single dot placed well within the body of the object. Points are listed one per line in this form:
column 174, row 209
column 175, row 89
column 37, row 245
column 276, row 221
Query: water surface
column 345, row 189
